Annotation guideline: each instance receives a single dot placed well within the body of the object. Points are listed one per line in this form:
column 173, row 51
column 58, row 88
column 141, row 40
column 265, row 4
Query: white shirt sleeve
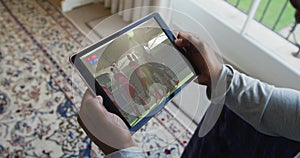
column 131, row 152
column 273, row 111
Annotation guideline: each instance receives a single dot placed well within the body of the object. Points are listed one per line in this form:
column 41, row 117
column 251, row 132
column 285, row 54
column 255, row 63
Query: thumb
column 100, row 99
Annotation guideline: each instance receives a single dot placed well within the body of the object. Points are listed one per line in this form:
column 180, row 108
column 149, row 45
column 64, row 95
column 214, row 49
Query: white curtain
column 142, row 7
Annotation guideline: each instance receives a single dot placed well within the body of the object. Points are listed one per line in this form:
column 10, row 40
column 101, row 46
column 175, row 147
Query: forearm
column 273, row 111
column 248, row 98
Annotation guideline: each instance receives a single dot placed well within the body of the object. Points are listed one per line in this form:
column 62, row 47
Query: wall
column 67, row 5
column 241, row 51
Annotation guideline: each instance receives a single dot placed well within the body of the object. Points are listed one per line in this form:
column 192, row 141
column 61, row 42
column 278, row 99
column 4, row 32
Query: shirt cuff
column 130, row 152
column 221, row 87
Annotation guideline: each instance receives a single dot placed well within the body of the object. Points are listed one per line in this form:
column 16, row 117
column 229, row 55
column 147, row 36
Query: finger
column 183, row 42
column 176, row 33
column 179, row 42
column 184, row 35
column 186, row 39
column 90, row 103
column 87, row 95
column 92, row 107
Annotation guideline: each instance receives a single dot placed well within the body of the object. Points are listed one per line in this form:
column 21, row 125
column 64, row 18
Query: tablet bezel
column 96, row 89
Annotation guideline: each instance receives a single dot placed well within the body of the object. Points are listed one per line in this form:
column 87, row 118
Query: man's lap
column 233, row 137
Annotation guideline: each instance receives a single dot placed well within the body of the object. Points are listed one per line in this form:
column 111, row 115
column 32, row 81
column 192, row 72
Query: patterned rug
column 37, row 94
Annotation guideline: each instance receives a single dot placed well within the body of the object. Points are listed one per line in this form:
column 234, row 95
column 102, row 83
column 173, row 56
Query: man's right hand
column 202, row 56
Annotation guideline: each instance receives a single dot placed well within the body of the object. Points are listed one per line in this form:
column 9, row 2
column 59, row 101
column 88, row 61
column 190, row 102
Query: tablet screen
column 140, row 70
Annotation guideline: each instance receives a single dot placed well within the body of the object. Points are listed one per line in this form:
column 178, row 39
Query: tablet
column 136, row 70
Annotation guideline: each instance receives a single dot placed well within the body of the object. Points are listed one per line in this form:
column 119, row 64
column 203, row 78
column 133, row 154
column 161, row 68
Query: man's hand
column 106, row 130
column 202, row 56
